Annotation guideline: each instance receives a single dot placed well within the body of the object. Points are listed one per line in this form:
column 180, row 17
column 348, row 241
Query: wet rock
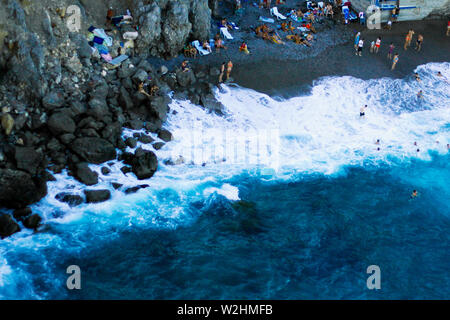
column 165, row 135
column 18, row 189
column 72, row 200
column 67, row 138
column 85, row 175
column 131, row 142
column 94, row 150
column 126, row 169
column 200, row 17
column 135, row 189
column 140, row 76
column 116, row 185
column 21, row 214
column 105, row 171
column 210, row 103
column 185, row 78
column 145, row 139
column 158, row 145
column 7, row 226
column 144, row 164
column 96, row 196
column 61, row 123
column 32, row 222
column 28, row 159
column 74, row 65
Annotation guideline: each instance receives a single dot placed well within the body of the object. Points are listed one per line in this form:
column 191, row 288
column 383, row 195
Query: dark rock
column 140, row 76
column 85, row 175
column 7, row 226
column 53, row 100
column 67, row 138
column 105, row 171
column 125, row 99
column 158, row 145
column 165, row 135
column 28, row 159
column 60, row 123
column 96, row 196
column 135, row 124
column 126, row 169
column 145, row 139
column 136, row 188
column 131, row 142
column 72, row 200
column 185, row 78
column 32, row 222
column 94, row 150
column 210, row 103
column 18, row 189
column 160, row 106
column 116, row 185
column 144, row 164
column 21, row 214
column 98, row 108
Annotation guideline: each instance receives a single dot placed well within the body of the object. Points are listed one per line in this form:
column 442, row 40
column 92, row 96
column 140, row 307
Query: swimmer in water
column 414, row 194
column 439, row 74
column 420, row 94
column 448, row 146
column 417, row 77
column 378, row 141
column 362, row 111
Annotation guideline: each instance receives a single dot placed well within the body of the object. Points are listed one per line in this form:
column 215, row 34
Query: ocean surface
column 278, row 199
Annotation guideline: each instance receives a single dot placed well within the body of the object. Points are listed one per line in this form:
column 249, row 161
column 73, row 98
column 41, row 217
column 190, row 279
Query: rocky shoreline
column 63, row 107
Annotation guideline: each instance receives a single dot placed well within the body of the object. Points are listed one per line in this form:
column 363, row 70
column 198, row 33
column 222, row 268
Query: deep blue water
column 310, row 239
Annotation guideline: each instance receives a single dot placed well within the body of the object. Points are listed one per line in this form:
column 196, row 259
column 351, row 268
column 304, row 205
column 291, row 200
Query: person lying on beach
column 142, row 90
column 184, row 66
column 276, row 39
column 290, row 27
column 218, row 43
column 284, row 26
column 309, row 37
column 244, row 48
column 310, row 27
column 206, row 46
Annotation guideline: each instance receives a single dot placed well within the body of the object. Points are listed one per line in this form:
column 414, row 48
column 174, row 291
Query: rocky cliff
column 62, row 106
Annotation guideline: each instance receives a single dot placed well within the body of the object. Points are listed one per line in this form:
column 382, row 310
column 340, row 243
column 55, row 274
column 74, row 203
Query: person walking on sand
column 377, row 44
column 222, row 71
column 394, row 61
column 391, row 50
column 419, row 42
column 229, row 68
column 360, row 47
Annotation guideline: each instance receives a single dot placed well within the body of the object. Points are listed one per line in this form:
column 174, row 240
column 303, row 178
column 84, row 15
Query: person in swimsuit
column 391, row 50
column 244, row 48
column 416, row 75
column 414, row 194
column 184, row 66
column 420, row 94
column 407, row 41
column 362, row 111
column 377, row 44
column 394, row 61
column 222, row 71
column 448, row 28
column 419, row 42
column 229, row 68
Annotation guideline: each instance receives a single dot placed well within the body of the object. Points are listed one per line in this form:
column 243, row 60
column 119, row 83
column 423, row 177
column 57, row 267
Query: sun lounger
column 274, row 12
column 225, row 33
column 264, row 19
column 199, row 48
column 118, row 60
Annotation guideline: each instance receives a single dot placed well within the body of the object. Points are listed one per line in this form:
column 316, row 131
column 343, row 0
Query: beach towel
column 107, row 57
column 118, row 60
column 102, row 34
column 264, row 19
column 225, row 33
column 274, row 12
column 233, row 25
column 199, row 48
column 303, row 29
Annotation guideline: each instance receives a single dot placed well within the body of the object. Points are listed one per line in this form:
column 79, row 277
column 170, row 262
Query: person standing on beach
column 357, row 40
column 391, row 50
column 377, row 44
column 419, row 42
column 229, row 68
column 360, row 47
column 394, row 61
column 222, row 71
column 407, row 41
column 372, row 46
column 448, row 28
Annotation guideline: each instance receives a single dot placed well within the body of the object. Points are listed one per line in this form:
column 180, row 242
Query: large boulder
column 60, row 123
column 85, row 175
column 72, row 200
column 93, row 150
column 96, row 196
column 28, row 159
column 54, row 99
column 18, row 189
column 149, row 29
column 144, row 164
column 7, row 226
column 32, row 222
